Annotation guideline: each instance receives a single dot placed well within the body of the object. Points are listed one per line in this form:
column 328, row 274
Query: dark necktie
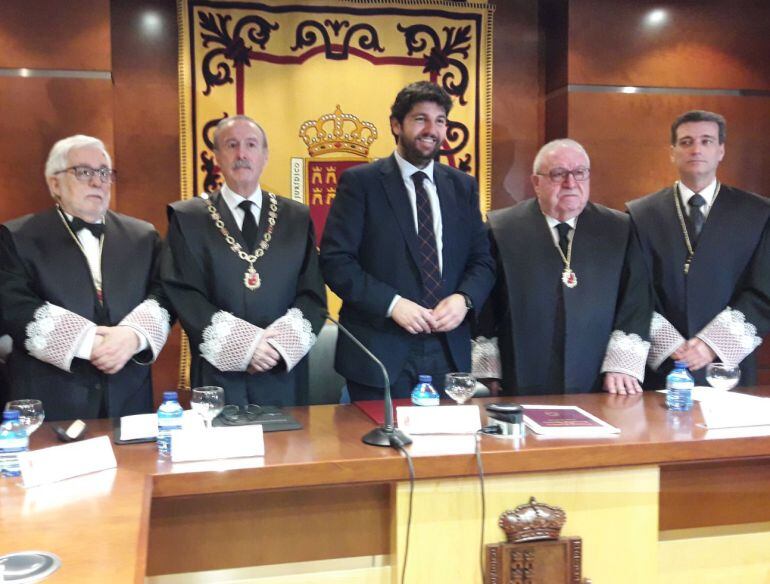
column 96, row 228
column 697, row 219
column 555, row 377
column 563, row 229
column 426, row 238
column 249, row 227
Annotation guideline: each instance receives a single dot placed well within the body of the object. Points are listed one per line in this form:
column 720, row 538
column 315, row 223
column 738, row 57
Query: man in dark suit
column 572, row 305
column 707, row 249
column 404, row 247
column 241, row 269
column 79, row 294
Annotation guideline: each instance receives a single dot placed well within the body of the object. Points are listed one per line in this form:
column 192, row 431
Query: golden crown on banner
column 338, row 132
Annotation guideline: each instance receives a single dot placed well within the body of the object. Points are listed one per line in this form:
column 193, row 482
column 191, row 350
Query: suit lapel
column 218, row 201
column 718, row 223
column 71, row 264
column 448, row 203
column 398, row 198
column 113, row 258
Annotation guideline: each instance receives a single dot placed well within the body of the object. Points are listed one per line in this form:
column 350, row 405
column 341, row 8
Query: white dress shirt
column 407, row 169
column 708, row 193
column 92, row 249
column 552, row 223
column 233, row 199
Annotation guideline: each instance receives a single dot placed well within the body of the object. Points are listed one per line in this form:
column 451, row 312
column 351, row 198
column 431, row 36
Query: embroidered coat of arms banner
column 320, row 78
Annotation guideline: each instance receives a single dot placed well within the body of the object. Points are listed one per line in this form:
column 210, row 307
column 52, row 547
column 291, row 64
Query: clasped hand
column 446, row 316
column 113, row 347
column 695, row 353
column 265, row 356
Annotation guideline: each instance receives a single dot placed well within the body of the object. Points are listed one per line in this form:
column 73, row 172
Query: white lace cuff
column 229, row 342
column 626, row 353
column 294, row 337
column 665, row 339
column 485, row 358
column 152, row 321
column 731, row 336
column 55, row 334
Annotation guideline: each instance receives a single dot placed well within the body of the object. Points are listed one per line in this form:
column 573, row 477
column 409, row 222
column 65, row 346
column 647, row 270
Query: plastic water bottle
column 169, row 420
column 679, row 384
column 13, row 441
column 423, row 393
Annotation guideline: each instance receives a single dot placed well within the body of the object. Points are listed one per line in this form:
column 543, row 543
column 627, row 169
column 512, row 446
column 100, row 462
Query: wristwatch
column 468, row 301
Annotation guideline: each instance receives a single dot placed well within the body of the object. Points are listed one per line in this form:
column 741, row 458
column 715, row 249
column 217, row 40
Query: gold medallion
column 251, row 279
column 569, row 278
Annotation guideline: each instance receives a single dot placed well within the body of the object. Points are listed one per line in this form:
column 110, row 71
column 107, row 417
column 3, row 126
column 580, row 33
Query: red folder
column 375, row 408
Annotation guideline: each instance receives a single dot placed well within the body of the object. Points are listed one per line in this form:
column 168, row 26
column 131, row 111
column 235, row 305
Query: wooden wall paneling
column 554, row 25
column 627, row 138
column 706, row 44
column 144, row 59
column 37, row 112
column 517, row 108
column 51, row 34
column 556, row 115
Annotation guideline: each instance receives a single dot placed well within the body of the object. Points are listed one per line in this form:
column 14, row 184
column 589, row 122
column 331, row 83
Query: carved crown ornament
column 338, row 132
column 532, row 521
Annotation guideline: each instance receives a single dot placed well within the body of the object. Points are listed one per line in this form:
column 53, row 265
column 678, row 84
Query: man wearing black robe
column 241, row 269
column 572, row 300
column 707, row 249
column 79, row 294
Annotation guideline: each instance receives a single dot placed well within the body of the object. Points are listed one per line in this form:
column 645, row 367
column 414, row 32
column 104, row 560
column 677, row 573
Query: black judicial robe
column 41, row 263
column 203, row 278
column 613, row 293
column 731, row 266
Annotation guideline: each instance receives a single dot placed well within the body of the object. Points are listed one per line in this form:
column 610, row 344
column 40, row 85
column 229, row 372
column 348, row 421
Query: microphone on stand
column 387, row 434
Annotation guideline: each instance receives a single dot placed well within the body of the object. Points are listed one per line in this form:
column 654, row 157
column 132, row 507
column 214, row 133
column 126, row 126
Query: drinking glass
column 460, row 386
column 208, row 402
column 31, row 413
column 723, row 376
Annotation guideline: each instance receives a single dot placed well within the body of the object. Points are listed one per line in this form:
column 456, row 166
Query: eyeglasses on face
column 86, row 173
column 559, row 175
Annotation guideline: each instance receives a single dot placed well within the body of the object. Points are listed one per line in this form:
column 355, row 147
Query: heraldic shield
column 335, row 142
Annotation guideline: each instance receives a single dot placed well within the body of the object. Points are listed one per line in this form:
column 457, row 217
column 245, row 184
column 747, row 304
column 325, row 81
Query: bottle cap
column 10, row 415
column 170, row 395
column 680, row 364
column 425, row 379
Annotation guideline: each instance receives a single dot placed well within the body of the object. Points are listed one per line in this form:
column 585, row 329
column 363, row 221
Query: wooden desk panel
column 324, row 485
column 712, row 494
column 97, row 524
column 275, row 527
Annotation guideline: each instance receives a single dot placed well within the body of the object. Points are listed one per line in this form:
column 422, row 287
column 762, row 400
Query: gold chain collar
column 251, row 278
column 568, row 276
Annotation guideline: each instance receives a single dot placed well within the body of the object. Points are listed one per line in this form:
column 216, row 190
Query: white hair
column 58, row 157
column 555, row 145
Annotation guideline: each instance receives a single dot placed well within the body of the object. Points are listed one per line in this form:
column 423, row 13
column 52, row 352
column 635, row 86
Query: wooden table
column 320, row 493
